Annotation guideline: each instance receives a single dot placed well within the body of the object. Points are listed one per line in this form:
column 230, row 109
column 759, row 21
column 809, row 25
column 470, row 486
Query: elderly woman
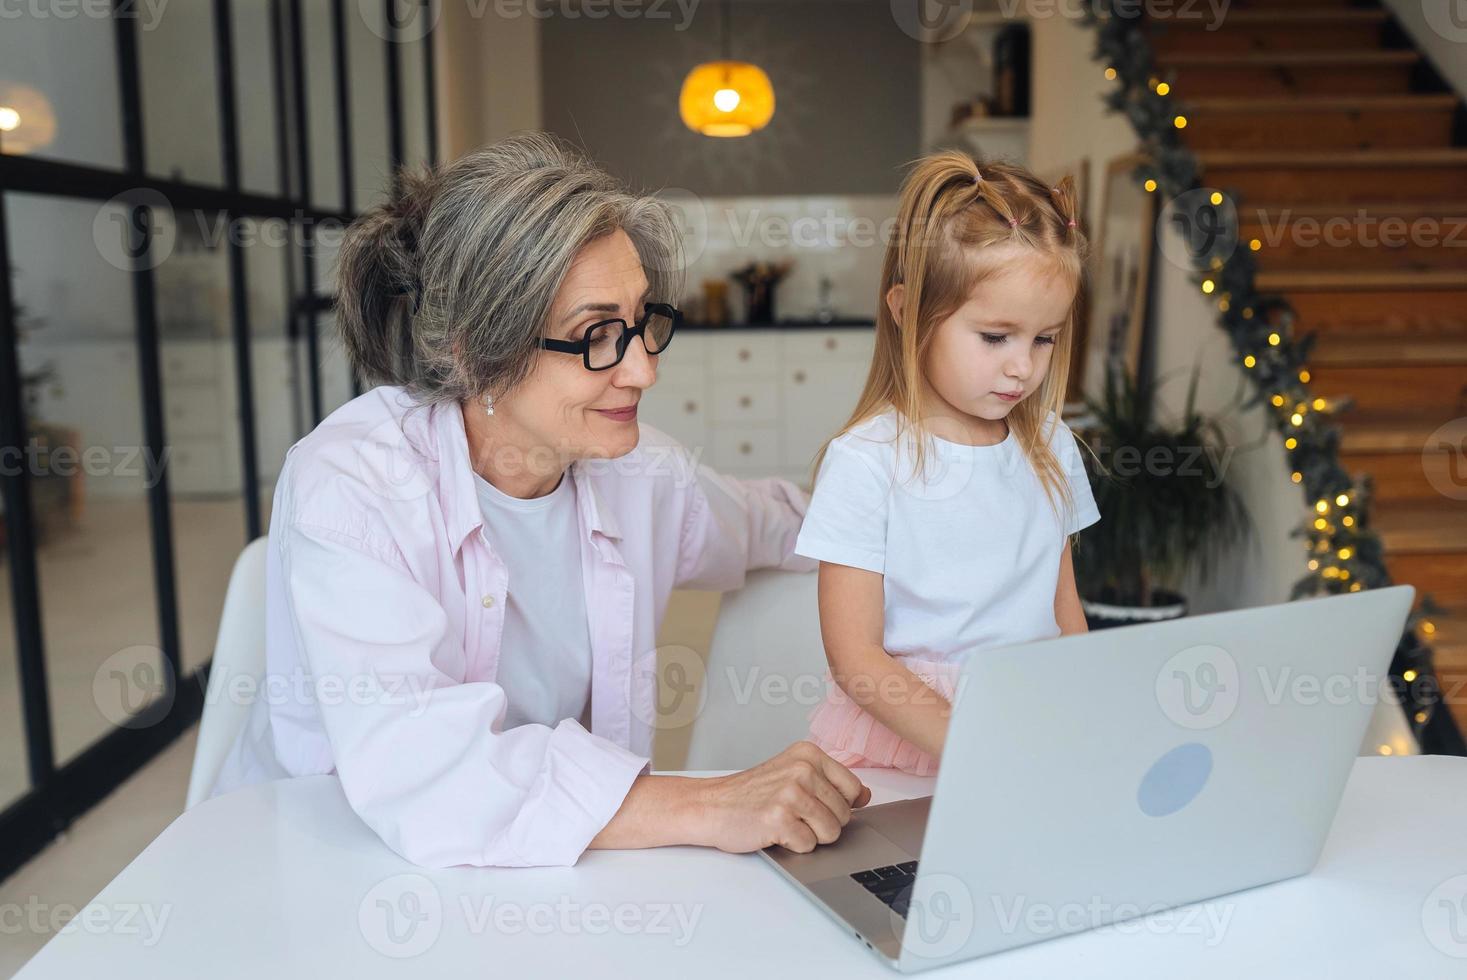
column 468, row 566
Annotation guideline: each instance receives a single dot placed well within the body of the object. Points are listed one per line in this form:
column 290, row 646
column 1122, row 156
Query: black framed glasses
column 605, row 343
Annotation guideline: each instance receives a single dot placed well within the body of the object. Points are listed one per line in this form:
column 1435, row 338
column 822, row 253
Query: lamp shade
column 726, row 98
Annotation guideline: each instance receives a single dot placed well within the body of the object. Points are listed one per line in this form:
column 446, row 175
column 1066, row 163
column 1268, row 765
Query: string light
column 1331, row 541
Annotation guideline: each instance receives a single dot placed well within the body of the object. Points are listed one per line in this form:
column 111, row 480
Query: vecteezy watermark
column 139, row 229
column 142, row 919
column 148, row 13
column 1209, row 920
column 407, row 21
column 935, row 21
column 1198, row 687
column 1360, row 229
column 1447, row 18
column 131, row 680
column 1444, row 917
column 1444, row 459
column 404, row 916
column 391, row 462
column 1206, row 225
column 940, row 919
column 401, row 916
column 297, row 687
column 38, row 458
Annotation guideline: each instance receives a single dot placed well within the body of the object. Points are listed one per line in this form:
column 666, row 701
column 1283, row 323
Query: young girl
column 942, row 511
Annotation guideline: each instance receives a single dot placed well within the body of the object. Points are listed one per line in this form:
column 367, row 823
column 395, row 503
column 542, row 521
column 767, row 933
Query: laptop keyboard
column 892, row 883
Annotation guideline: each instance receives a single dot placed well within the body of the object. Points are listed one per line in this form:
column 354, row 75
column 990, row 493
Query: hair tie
column 1071, row 222
column 1013, row 222
column 977, row 176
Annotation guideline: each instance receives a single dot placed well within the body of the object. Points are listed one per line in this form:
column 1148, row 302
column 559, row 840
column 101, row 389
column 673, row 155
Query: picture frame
column 1120, row 276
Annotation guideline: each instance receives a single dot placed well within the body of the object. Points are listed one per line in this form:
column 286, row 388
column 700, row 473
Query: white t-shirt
column 970, row 552
column 545, row 653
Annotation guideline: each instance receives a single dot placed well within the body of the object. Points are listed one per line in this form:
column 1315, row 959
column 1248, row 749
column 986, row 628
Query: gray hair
column 480, row 246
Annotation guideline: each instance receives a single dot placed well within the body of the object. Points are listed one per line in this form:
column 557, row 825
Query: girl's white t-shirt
column 970, row 551
column 545, row 652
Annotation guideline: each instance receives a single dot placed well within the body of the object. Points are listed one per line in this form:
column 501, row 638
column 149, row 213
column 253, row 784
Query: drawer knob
column 743, row 355
column 799, row 377
column 830, row 343
column 745, row 448
column 745, row 401
column 690, row 407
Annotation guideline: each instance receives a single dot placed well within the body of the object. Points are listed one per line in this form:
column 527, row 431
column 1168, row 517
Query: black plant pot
column 1164, row 605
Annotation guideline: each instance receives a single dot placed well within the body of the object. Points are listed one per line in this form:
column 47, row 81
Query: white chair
column 239, row 651
column 764, row 672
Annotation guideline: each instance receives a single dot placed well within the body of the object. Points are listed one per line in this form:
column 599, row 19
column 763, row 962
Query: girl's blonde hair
column 953, row 210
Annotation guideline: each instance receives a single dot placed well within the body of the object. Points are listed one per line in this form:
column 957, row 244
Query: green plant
column 1163, row 500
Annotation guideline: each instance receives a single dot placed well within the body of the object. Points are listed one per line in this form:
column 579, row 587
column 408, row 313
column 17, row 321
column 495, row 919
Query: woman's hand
column 799, row 798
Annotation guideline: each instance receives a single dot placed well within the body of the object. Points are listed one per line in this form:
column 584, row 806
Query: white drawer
column 742, row 448
column 192, row 410
column 679, row 410
column 813, row 346
column 196, row 466
column 745, row 400
column 189, row 362
column 746, row 353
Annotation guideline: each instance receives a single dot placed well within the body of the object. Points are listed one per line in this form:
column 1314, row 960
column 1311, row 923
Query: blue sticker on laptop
column 1174, row 780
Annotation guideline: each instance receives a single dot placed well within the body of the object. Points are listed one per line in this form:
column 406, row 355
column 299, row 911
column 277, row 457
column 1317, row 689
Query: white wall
column 1070, row 123
column 488, row 71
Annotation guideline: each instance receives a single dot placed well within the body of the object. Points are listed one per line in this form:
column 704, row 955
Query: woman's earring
column 488, row 404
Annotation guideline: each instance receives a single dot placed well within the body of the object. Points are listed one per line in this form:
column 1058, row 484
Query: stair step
column 1408, row 462
column 1448, row 639
column 1423, row 529
column 1379, row 235
column 1261, row 73
column 1292, row 29
column 1319, row 121
column 1362, row 280
column 1387, row 432
column 1296, row 104
column 1336, row 351
column 1442, row 573
column 1415, row 387
column 1287, row 176
column 1397, row 310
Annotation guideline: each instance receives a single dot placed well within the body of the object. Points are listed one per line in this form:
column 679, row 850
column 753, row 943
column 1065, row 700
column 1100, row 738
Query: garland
column 1343, row 553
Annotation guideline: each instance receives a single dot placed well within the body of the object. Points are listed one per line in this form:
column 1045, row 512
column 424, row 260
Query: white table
column 282, row 880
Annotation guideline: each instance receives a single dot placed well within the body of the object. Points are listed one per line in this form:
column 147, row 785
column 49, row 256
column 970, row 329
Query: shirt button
column 488, row 601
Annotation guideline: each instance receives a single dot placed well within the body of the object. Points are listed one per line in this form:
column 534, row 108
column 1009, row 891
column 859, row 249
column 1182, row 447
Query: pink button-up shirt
column 384, row 610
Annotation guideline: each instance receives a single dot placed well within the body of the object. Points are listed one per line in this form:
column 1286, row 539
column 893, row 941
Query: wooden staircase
column 1347, row 157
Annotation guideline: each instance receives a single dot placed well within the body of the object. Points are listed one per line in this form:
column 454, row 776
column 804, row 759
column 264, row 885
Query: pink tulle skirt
column 852, row 737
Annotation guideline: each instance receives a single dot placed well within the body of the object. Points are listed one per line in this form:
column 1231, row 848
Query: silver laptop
column 1093, row 778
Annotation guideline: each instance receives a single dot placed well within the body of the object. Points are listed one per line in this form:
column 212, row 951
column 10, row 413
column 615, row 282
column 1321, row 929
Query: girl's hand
column 799, row 798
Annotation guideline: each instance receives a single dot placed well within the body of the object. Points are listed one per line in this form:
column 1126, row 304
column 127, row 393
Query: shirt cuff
column 586, row 779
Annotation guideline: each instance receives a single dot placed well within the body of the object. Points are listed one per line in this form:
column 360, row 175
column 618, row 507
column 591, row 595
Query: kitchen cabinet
column 761, row 401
